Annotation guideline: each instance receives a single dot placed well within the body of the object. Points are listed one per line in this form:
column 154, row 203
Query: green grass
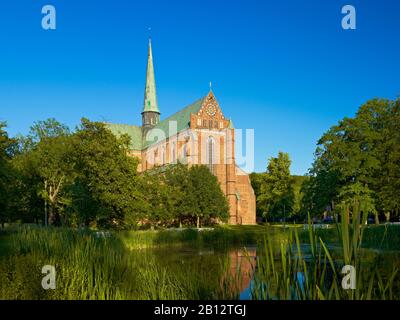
column 381, row 237
column 289, row 272
column 102, row 268
column 144, row 264
column 221, row 237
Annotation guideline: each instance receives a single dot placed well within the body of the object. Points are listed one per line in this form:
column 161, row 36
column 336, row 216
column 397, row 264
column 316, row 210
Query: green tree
column 6, row 173
column 180, row 191
column 205, row 192
column 297, row 184
column 276, row 194
column 43, row 169
column 109, row 175
column 354, row 195
column 257, row 181
column 53, row 162
column 362, row 150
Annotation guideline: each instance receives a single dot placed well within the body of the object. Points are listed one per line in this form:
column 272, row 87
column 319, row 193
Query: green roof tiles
column 134, row 132
column 182, row 119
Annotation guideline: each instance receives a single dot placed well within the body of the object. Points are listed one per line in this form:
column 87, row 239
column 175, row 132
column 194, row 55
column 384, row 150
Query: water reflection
column 213, row 272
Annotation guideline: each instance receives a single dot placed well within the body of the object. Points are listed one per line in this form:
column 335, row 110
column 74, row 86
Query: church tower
column 150, row 113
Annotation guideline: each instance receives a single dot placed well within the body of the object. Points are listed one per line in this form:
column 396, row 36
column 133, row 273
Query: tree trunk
column 376, row 218
column 198, row 222
column 46, row 218
column 50, row 218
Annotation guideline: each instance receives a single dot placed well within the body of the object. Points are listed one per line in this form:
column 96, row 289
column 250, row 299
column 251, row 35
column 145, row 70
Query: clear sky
column 285, row 68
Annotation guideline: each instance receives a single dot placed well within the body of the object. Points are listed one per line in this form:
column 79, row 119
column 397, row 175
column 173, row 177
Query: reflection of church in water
column 197, row 134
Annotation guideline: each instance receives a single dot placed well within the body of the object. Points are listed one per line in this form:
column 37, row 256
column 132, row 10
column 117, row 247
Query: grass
column 288, row 272
column 380, row 237
column 89, row 267
column 292, row 263
column 220, row 237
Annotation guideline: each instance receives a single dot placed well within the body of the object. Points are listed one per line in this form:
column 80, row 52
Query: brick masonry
column 192, row 146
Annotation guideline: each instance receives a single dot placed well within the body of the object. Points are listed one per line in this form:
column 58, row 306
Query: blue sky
column 284, row 68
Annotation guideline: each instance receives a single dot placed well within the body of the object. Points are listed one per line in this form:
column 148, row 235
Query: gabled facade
column 197, row 134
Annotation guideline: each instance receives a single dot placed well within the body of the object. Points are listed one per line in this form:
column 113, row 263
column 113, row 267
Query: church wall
column 235, row 184
column 207, row 120
column 247, row 199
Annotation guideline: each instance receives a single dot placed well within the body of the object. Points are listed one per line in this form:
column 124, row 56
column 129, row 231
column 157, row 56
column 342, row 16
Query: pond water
column 240, row 264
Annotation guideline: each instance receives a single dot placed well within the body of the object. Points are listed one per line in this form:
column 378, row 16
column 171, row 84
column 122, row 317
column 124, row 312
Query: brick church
column 197, row 134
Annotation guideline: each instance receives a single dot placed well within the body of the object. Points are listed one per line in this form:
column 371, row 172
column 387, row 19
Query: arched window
column 173, row 153
column 210, row 153
column 163, row 155
column 184, row 151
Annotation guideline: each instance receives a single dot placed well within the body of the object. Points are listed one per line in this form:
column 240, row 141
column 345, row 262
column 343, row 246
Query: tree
column 357, row 195
column 6, row 174
column 206, row 194
column 180, row 191
column 257, row 180
column 109, row 175
column 276, row 193
column 297, row 183
column 363, row 150
column 53, row 162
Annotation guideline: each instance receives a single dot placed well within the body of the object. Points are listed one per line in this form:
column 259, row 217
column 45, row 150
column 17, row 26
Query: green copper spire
column 150, row 96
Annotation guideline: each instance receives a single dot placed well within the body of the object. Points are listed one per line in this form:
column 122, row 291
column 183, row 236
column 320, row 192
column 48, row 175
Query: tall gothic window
column 163, row 155
column 210, row 153
column 184, row 153
column 173, row 151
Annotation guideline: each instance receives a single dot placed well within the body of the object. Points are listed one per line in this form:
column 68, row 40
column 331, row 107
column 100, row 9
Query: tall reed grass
column 292, row 271
column 290, row 264
column 91, row 267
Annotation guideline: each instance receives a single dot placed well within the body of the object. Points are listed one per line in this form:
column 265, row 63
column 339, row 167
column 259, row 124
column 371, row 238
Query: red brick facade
column 209, row 139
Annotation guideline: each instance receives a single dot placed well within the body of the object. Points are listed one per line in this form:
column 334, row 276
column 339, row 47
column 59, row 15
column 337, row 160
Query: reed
column 291, row 263
column 91, row 267
column 290, row 271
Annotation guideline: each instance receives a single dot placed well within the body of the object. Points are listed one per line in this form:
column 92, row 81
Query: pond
column 236, row 268
column 179, row 268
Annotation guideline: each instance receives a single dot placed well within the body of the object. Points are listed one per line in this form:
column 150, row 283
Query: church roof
column 134, row 132
column 182, row 119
